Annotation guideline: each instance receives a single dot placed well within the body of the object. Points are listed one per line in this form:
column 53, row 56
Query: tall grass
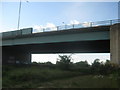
column 87, row 81
column 32, row 76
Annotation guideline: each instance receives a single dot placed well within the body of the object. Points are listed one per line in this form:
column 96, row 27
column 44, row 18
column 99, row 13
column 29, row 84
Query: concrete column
column 115, row 43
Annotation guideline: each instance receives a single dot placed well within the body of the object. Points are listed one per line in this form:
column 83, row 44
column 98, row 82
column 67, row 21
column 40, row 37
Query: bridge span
column 19, row 45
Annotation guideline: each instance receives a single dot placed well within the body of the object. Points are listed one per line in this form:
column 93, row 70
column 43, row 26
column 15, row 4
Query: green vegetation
column 32, row 76
column 62, row 74
column 87, row 81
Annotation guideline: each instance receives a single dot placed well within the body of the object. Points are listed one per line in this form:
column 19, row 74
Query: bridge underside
column 22, row 53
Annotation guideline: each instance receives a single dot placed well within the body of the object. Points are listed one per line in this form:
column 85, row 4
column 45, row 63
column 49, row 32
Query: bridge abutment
column 115, row 43
column 12, row 56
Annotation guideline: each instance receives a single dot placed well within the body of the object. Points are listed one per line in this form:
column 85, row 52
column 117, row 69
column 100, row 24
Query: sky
column 45, row 14
column 76, row 57
column 48, row 14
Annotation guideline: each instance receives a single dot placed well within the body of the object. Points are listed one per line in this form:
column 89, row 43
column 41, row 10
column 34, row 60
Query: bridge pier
column 115, row 43
column 15, row 56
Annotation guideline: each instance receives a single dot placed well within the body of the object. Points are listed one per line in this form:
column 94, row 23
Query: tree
column 82, row 66
column 64, row 62
column 96, row 65
column 48, row 63
column 102, row 68
column 34, row 62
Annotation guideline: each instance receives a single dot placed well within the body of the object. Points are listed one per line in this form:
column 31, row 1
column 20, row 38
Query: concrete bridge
column 17, row 46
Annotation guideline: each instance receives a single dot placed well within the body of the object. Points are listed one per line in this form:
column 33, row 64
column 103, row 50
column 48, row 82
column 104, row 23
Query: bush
column 103, row 68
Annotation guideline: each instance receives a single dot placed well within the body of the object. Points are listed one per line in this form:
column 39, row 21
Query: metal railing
column 80, row 25
column 28, row 31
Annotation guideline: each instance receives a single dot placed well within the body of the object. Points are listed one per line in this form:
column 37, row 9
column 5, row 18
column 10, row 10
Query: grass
column 88, row 81
column 45, row 77
column 33, row 76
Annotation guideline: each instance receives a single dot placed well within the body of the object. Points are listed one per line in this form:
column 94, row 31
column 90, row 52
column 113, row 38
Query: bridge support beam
column 13, row 56
column 115, row 44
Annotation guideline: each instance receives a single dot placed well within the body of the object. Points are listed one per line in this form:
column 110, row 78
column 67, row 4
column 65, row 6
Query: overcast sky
column 89, row 57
